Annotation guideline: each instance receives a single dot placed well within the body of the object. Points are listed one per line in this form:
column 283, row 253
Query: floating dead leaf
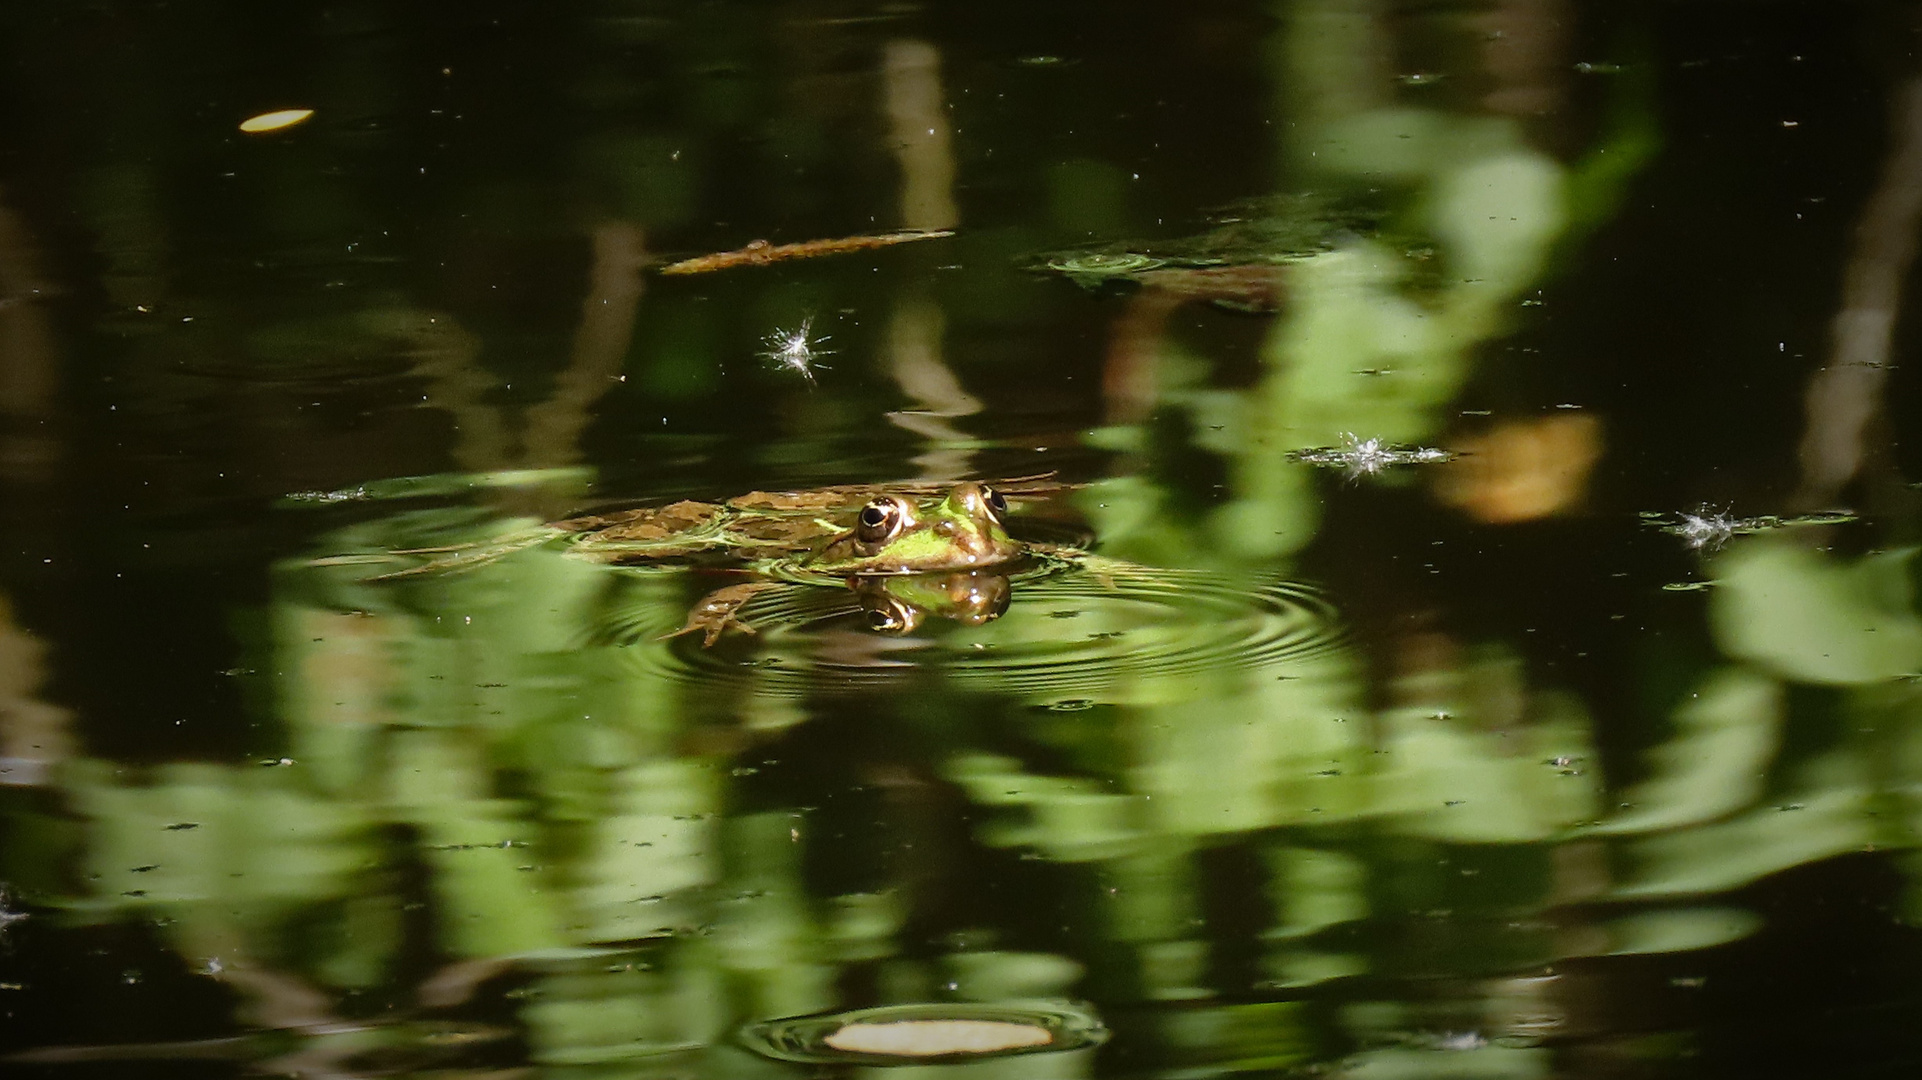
column 279, row 120
column 934, row 1038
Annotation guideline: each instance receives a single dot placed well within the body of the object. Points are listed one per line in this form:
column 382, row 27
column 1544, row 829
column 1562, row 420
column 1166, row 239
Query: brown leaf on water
column 761, row 253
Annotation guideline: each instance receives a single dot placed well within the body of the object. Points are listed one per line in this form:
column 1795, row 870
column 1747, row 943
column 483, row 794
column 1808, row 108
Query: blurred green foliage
column 503, row 770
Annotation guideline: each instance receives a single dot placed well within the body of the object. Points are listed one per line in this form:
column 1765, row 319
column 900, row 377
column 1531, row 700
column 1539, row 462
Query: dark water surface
column 1471, row 627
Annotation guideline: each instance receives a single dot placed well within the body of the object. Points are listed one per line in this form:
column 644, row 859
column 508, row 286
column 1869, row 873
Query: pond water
column 1453, row 613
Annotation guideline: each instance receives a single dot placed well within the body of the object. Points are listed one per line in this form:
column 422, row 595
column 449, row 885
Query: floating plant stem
column 761, row 253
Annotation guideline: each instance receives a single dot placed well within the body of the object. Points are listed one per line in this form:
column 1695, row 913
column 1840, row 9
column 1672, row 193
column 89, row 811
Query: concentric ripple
column 1104, row 263
column 1070, row 638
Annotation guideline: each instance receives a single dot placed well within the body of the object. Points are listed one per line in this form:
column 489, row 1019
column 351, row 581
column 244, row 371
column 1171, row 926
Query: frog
column 906, row 550
column 893, row 537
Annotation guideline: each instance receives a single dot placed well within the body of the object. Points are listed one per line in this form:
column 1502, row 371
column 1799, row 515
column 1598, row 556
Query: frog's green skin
column 856, row 534
column 820, row 530
column 961, row 532
column 823, row 536
column 893, row 539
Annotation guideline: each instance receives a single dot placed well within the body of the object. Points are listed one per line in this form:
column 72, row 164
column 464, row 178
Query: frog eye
column 880, row 521
column 892, row 616
column 995, row 502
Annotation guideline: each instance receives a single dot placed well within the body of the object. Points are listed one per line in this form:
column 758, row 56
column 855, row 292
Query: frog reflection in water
column 897, row 604
column 904, row 559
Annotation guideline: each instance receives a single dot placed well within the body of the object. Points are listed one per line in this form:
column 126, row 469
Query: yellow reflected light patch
column 274, row 121
column 929, row 1032
column 1523, row 470
column 937, row 1038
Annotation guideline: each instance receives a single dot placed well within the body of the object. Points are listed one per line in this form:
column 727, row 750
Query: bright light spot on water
column 275, row 121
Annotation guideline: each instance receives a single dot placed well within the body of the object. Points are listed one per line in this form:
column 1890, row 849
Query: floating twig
column 761, row 253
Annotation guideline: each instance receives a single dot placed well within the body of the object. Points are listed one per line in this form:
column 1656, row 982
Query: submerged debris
column 760, row 252
column 1367, row 457
column 441, row 484
column 1709, row 529
column 796, row 350
column 1258, row 234
column 7, row 916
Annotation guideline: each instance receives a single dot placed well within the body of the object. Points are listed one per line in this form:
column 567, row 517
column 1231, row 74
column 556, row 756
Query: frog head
column 893, row 536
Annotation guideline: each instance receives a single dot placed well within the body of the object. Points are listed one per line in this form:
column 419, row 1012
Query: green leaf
column 1817, row 619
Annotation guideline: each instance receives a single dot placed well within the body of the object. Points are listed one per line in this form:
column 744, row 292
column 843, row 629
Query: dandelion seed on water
column 796, row 350
column 1368, row 457
column 1706, row 529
